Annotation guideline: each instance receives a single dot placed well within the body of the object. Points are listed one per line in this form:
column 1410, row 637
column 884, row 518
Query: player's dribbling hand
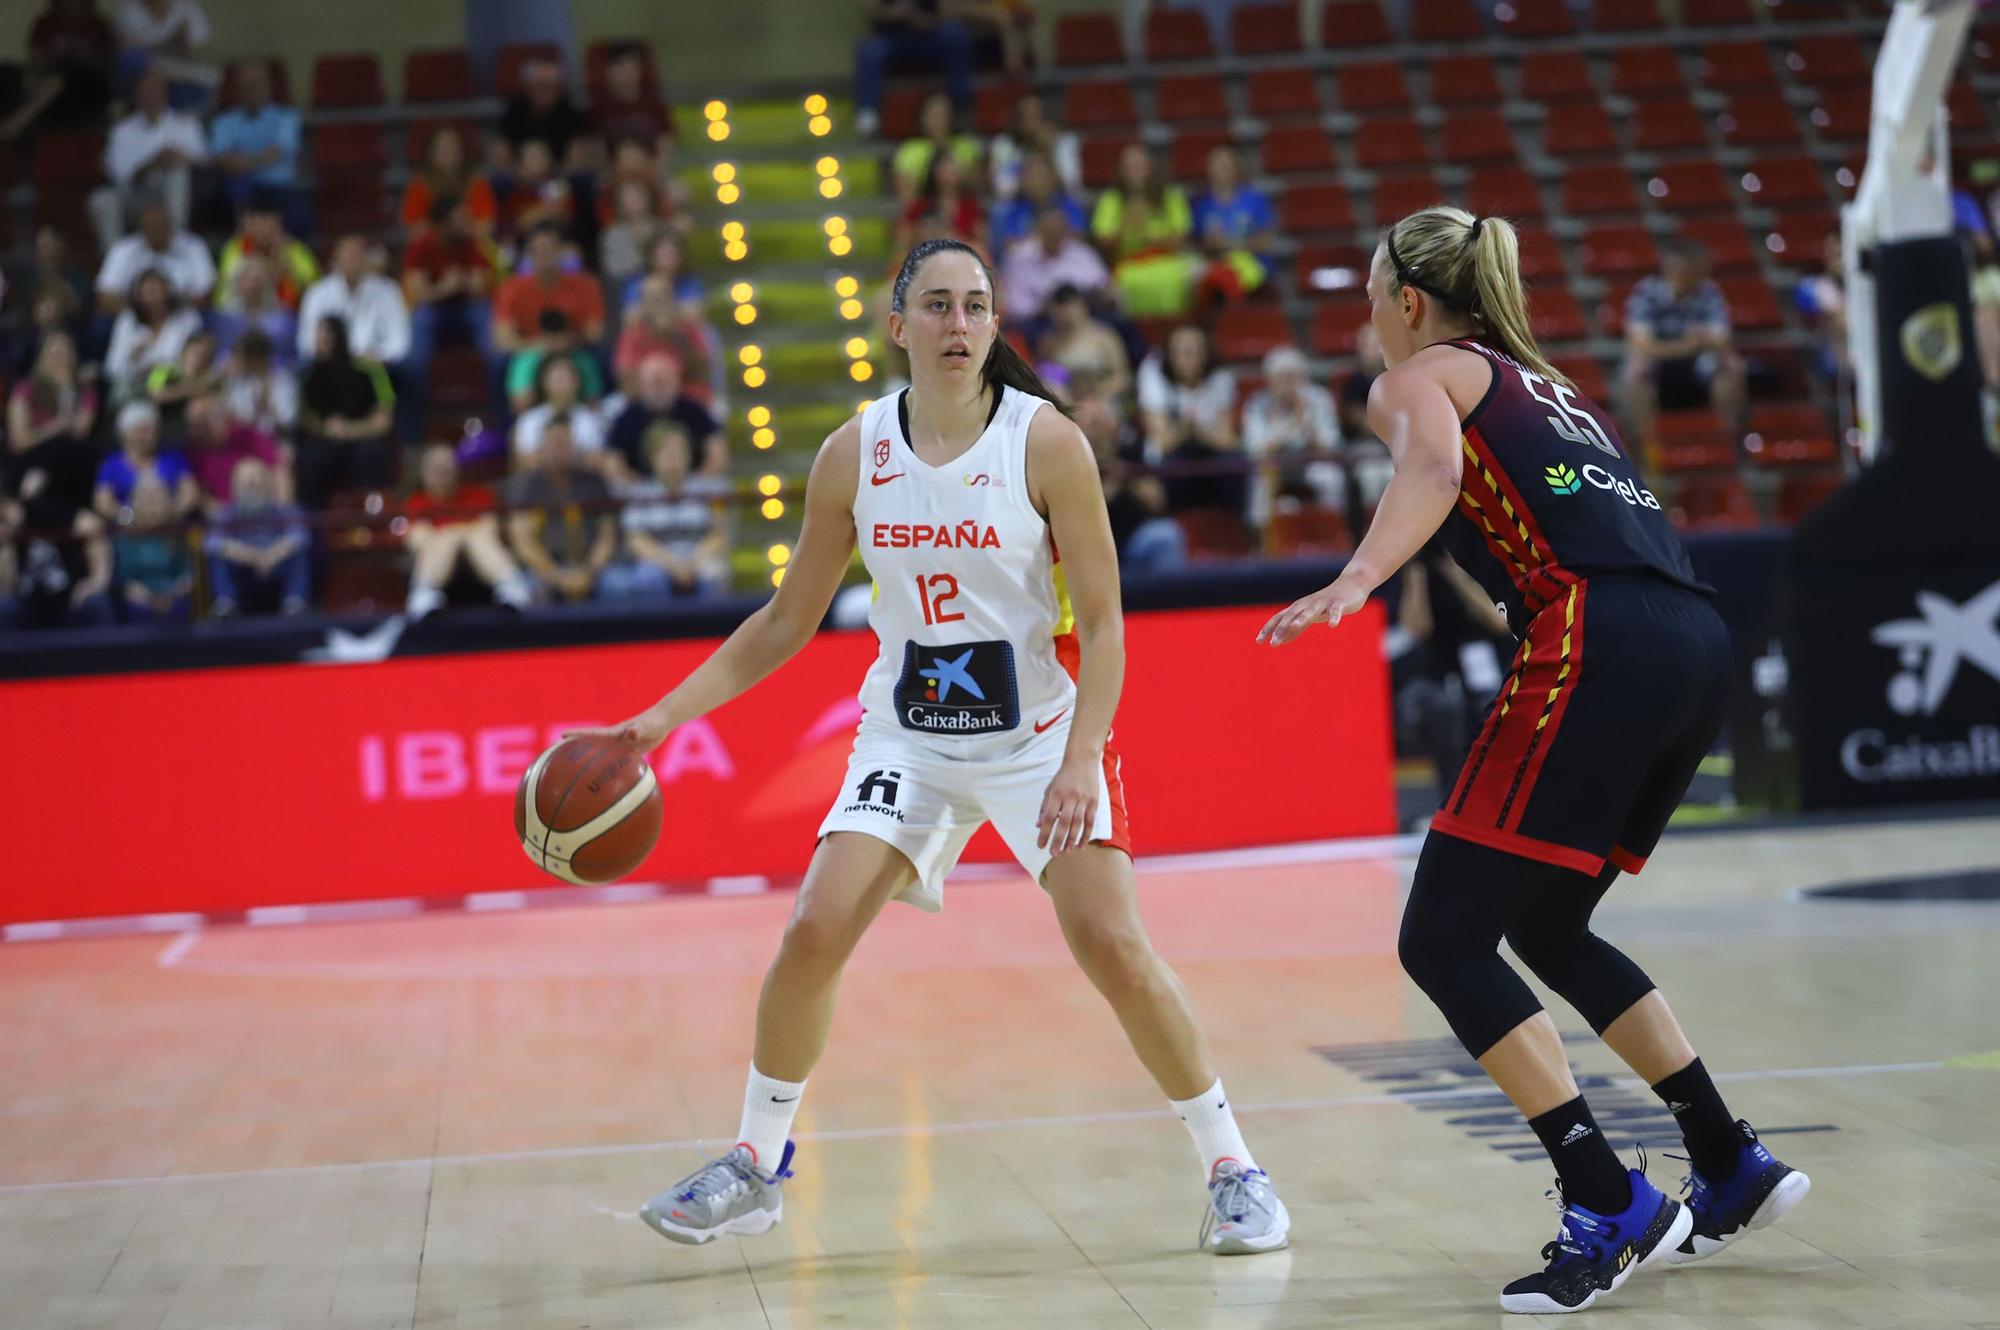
column 642, row 734
column 1069, row 808
column 1328, row 605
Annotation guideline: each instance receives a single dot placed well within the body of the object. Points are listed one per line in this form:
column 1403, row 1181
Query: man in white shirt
column 166, row 35
column 177, row 255
column 154, row 150
column 378, row 321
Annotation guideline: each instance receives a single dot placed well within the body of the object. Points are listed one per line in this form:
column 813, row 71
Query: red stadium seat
column 1100, row 159
column 1296, row 533
column 1597, row 191
column 1213, row 534
column 1784, row 181
column 1398, row 196
column 1352, row 24
column 1761, row 120
column 1246, row 332
column 1828, row 60
column 1625, row 15
column 1188, row 161
column 1318, row 269
column 1727, row 243
column 1611, row 306
column 347, row 80
column 1088, row 39
column 1477, row 137
column 438, row 76
column 902, row 103
column 1465, row 80
column 1744, row 64
column 1791, row 434
column 1336, row 323
column 1713, row 503
column 1392, row 142
column 1308, row 208
column 1619, row 250
column 1587, row 376
column 1752, row 307
column 1802, row 491
column 1537, row 18
column 351, row 147
column 1573, row 133
column 1182, row 97
column 1968, row 111
column 1277, row 94
column 1373, row 85
column 1556, row 76
column 1178, row 34
column 1798, row 239
column 68, row 159
column 1264, row 29
column 417, row 138
column 1845, row 119
column 1444, row 21
column 993, row 105
column 1639, row 71
column 1298, row 149
column 1555, row 314
column 1690, row 187
column 1099, row 104
column 1503, row 191
column 1668, row 125
column 514, row 57
column 1541, row 256
column 1716, row 13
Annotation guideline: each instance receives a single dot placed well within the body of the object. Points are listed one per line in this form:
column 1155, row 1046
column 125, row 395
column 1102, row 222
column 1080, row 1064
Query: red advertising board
column 229, row 788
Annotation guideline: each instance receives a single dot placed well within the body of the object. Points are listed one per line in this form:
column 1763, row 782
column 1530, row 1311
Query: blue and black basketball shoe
column 1759, row 1192
column 1595, row 1254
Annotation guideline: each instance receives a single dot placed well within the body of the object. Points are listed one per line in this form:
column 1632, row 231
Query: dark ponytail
column 1004, row 367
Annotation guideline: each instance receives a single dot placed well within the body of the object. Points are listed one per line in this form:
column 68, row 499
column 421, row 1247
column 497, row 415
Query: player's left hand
column 1328, row 605
column 1069, row 808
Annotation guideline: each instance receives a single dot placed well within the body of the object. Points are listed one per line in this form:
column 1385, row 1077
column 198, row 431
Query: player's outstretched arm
column 776, row 632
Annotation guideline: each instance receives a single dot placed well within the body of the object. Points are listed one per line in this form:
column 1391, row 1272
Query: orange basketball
column 588, row 810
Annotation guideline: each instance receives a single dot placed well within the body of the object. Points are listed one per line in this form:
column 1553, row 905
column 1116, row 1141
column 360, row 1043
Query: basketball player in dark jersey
column 1615, row 694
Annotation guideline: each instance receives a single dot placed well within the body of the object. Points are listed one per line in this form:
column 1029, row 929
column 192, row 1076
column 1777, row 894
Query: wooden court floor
column 449, row 1120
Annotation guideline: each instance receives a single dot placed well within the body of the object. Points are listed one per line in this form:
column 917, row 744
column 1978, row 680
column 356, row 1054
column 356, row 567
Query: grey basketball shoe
column 1244, row 1213
column 726, row 1195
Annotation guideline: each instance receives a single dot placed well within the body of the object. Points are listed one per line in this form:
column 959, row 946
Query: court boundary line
column 979, row 1126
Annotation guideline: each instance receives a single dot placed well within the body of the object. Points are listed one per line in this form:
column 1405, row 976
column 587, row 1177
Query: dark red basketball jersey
column 1549, row 496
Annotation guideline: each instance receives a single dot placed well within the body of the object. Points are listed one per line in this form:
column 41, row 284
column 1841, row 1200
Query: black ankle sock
column 1710, row 1132
column 1591, row 1175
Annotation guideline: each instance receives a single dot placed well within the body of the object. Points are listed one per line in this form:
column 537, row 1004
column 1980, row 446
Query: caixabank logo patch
column 1945, row 653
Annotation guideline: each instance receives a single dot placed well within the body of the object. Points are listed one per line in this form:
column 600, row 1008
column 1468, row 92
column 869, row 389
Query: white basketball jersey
column 978, row 645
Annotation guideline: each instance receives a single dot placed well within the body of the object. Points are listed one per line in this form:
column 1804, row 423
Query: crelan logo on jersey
column 1932, row 342
column 1563, row 479
column 1933, row 646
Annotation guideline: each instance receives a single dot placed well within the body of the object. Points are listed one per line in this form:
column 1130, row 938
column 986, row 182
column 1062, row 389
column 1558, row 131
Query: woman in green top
column 1142, row 224
column 934, row 135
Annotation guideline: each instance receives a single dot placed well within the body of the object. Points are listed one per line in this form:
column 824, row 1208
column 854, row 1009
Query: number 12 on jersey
column 933, row 592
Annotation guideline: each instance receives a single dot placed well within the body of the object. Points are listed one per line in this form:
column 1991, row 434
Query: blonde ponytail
column 1472, row 266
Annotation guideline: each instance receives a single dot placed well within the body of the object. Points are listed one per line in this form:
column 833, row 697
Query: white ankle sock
column 768, row 1109
column 1213, row 1127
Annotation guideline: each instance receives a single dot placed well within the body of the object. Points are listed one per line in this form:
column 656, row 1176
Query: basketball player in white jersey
column 977, row 506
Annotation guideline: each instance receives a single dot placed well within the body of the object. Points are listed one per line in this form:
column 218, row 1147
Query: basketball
column 588, row 810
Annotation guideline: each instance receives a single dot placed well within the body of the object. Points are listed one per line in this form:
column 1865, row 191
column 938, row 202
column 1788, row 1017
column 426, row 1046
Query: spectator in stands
column 49, row 270
column 149, row 332
column 158, row 246
column 151, row 152
column 166, row 36
column 255, row 143
column 1142, row 224
column 662, row 325
column 374, row 320
column 1677, row 350
column 668, row 258
column 559, row 395
column 1039, row 188
column 635, row 226
column 916, row 32
column 51, row 581
column 151, row 559
column 445, row 176
column 1822, row 299
column 554, row 342
column 1089, row 352
column 257, row 389
column 448, row 276
column 345, row 414
column 637, row 162
column 56, row 401
column 172, row 386
column 140, row 457
column 45, row 320
column 658, row 397
column 215, row 444
column 1148, row 539
column 675, row 543
column 517, row 310
column 1187, row 406
column 1032, row 132
column 253, row 306
column 262, row 234
column 540, row 112
column 561, row 526
column 1235, row 226
column 455, row 526
column 944, row 205
column 1052, row 259
column 1354, row 387
column 1291, row 415
column 71, row 55
column 625, row 108
column 256, row 546
column 537, row 195
column 935, row 135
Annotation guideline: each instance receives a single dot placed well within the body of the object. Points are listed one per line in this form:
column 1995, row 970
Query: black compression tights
column 1466, row 897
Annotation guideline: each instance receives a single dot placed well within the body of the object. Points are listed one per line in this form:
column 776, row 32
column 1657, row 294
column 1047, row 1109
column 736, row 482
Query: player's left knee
column 1114, row 954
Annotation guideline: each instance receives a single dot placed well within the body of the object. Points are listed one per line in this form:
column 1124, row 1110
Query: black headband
column 1407, row 275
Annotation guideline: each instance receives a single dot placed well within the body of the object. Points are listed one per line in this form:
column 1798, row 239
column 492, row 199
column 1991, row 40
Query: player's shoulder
column 837, row 468
column 1051, row 433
